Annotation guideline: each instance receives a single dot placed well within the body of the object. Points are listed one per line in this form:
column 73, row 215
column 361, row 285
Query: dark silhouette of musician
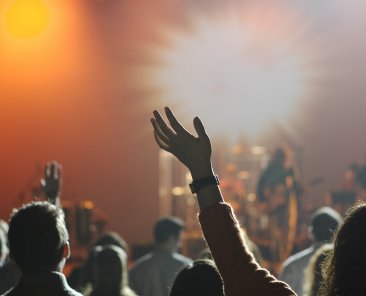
column 278, row 193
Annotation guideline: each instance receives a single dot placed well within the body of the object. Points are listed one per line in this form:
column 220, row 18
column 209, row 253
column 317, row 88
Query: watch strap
column 197, row 185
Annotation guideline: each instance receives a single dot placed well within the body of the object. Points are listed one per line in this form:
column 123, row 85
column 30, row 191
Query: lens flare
column 241, row 71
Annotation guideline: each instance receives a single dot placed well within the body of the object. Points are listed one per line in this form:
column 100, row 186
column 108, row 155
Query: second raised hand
column 52, row 182
column 193, row 152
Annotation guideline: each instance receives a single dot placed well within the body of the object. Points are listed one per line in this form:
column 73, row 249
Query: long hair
column 346, row 264
column 110, row 272
column 314, row 274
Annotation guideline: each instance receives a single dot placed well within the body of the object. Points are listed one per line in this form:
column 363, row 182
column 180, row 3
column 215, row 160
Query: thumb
column 200, row 129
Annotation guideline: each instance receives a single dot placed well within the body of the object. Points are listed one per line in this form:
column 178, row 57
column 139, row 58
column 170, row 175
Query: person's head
column 279, row 155
column 38, row 238
column 109, row 238
column 324, row 223
column 167, row 233
column 198, row 278
column 110, row 271
column 112, row 238
column 346, row 264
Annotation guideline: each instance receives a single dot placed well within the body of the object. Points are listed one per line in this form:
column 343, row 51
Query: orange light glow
column 27, row 18
column 32, row 63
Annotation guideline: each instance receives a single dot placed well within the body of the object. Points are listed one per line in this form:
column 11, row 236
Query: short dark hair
column 37, row 236
column 324, row 222
column 167, row 227
column 199, row 278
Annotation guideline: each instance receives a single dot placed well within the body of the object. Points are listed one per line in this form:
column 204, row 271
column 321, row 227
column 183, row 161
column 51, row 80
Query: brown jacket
column 241, row 273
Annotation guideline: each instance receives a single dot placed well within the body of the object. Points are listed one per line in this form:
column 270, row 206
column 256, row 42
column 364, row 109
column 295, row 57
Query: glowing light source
column 241, row 71
column 27, row 18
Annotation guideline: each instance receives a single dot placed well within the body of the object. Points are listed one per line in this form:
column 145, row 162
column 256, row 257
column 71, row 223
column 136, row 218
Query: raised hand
column 51, row 183
column 193, row 152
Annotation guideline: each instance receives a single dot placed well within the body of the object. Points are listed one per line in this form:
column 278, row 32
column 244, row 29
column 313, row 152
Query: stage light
column 27, row 18
column 240, row 70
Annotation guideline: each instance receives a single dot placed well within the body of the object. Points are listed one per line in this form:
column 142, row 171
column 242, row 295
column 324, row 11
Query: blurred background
column 79, row 81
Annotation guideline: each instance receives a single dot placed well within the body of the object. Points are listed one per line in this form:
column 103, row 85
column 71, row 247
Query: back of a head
column 346, row 265
column 199, row 278
column 324, row 223
column 109, row 238
column 37, row 236
column 110, row 271
column 167, row 227
column 112, row 238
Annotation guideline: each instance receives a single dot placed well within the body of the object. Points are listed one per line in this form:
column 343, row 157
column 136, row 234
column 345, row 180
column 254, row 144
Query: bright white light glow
column 240, row 72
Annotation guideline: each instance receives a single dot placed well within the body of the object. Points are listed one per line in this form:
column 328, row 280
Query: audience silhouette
column 34, row 246
column 38, row 243
column 154, row 273
column 199, row 278
column 324, row 223
column 81, row 277
column 110, row 276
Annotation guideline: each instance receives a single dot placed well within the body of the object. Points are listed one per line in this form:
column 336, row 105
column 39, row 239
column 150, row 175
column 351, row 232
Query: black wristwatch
column 197, row 185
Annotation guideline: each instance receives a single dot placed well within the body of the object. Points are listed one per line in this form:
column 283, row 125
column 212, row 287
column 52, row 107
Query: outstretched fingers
column 161, row 143
column 158, row 131
column 164, row 128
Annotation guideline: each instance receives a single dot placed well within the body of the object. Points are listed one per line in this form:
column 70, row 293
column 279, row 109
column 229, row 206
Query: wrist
column 202, row 171
column 200, row 184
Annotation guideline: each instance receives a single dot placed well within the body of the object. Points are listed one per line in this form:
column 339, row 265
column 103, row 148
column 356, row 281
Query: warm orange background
column 65, row 95
column 71, row 95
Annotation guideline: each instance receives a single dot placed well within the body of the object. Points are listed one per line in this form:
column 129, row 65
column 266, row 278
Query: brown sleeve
column 239, row 270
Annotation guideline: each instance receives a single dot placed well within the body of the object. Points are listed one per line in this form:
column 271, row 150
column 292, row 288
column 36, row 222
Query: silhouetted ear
column 66, row 252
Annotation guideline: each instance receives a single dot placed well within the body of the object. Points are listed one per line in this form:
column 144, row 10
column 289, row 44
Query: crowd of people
column 34, row 244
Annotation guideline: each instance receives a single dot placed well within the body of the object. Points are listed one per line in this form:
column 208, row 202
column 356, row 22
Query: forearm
column 223, row 234
column 234, row 261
